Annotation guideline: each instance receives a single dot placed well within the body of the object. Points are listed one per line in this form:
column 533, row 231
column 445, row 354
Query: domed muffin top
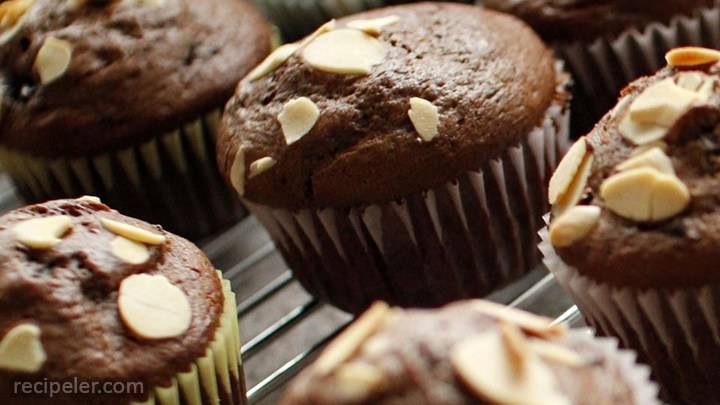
column 89, row 293
column 570, row 20
column 646, row 181
column 82, row 77
column 383, row 104
column 473, row 352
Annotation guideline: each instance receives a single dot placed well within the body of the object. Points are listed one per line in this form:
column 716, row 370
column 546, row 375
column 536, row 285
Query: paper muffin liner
column 463, row 239
column 215, row 378
column 602, row 67
column 297, row 18
column 172, row 179
column 675, row 331
column 636, row 375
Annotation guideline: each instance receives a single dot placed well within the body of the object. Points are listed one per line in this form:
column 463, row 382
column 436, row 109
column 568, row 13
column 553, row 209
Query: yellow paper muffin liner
column 676, row 331
column 171, row 179
column 602, row 67
column 215, row 378
column 464, row 239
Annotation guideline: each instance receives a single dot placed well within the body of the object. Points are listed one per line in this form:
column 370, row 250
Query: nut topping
column 373, row 26
column 133, row 232
column 42, row 233
column 297, row 118
column 21, row 349
column 52, row 59
column 691, row 56
column 573, row 225
column 344, row 51
column 424, row 117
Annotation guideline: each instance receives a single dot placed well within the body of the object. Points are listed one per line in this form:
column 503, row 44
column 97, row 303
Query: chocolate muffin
column 121, row 99
column 609, row 43
column 634, row 235
column 95, row 299
column 473, row 352
column 401, row 154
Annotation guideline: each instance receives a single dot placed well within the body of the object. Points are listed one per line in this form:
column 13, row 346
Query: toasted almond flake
column 237, row 172
column 53, row 59
column 555, row 353
column 344, row 51
column 662, row 103
column 273, row 61
column 645, row 194
column 133, row 232
column 653, row 158
column 530, row 323
column 21, row 349
column 129, row 251
column 576, row 190
column 573, row 225
column 152, row 307
column 90, row 198
column 373, row 26
column 691, row 56
column 42, row 233
column 483, row 364
column 690, row 80
column 566, row 170
column 352, row 338
column 424, row 117
column 12, row 15
column 327, row 27
column 261, row 165
column 297, row 118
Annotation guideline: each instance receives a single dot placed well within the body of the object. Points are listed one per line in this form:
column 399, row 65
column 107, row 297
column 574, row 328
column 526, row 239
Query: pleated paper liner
column 676, row 331
column 464, row 239
column 217, row 377
column 297, row 18
column 637, row 376
column 601, row 68
column 172, row 180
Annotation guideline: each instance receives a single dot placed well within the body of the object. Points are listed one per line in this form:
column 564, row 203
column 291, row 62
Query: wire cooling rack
column 283, row 328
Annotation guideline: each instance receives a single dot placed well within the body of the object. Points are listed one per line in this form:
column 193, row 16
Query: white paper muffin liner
column 463, row 239
column 675, row 331
column 172, row 179
column 601, row 68
column 217, row 377
column 637, row 376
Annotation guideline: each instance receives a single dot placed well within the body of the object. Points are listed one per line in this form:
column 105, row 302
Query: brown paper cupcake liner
column 675, row 331
column 215, row 378
column 637, row 376
column 297, row 18
column 601, row 68
column 172, row 179
column 463, row 239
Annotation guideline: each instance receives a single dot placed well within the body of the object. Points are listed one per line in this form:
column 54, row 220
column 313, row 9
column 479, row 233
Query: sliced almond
column 373, row 26
column 352, row 338
column 53, row 59
column 530, row 323
column 515, row 346
column 653, row 158
column 555, row 353
column 261, row 165
column 644, row 194
column 129, row 251
column 297, row 118
column 573, row 225
column 483, row 365
column 21, row 349
column 690, row 80
column 153, row 308
column 356, row 381
column 327, row 27
column 424, row 117
column 237, row 172
column 691, row 56
column 12, row 14
column 344, row 51
column 273, row 61
column 90, row 198
column 576, row 189
column 133, row 232
column 42, row 233
column 566, row 170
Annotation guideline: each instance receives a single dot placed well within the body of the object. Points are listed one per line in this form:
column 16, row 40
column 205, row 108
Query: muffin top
column 473, row 352
column 89, row 293
column 81, row 77
column 569, row 20
column 383, row 104
column 646, row 181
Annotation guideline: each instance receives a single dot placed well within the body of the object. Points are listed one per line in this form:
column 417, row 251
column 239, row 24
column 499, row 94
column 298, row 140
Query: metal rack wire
column 283, row 327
